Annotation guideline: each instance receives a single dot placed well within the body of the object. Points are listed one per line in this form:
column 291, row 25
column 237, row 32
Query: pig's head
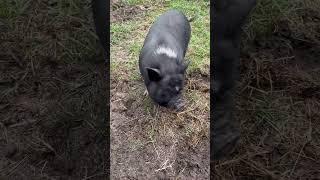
column 165, row 87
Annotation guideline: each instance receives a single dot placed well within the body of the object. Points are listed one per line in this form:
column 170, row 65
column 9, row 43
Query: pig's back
column 171, row 26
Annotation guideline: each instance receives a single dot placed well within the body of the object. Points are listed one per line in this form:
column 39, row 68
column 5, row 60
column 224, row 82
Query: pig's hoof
column 145, row 93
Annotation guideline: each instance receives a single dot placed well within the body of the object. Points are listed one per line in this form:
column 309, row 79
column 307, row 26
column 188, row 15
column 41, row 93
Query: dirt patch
column 151, row 142
column 121, row 12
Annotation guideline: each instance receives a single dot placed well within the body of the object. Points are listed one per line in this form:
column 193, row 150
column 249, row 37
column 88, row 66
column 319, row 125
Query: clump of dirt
column 151, row 142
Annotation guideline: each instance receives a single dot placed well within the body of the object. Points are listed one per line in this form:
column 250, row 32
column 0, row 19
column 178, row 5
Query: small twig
column 260, row 168
column 64, row 110
column 47, row 145
column 306, row 157
column 17, row 60
column 304, row 145
column 200, row 119
column 164, row 166
column 45, row 163
column 262, row 91
column 32, row 68
column 22, row 123
column 296, row 162
column 183, row 112
column 95, row 175
column 240, row 158
column 155, row 149
column 181, row 171
column 284, row 58
column 270, row 80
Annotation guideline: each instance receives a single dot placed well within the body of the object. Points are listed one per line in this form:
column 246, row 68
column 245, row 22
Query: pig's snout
column 177, row 103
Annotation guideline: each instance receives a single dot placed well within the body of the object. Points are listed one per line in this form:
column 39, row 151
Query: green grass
column 135, row 2
column 127, row 37
column 121, row 32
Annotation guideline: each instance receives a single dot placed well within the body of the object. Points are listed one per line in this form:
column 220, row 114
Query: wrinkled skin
column 164, row 75
column 229, row 16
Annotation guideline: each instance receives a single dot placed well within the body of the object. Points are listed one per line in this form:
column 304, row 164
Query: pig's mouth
column 176, row 103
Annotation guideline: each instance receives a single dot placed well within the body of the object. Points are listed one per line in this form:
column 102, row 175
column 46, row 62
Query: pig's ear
column 154, row 74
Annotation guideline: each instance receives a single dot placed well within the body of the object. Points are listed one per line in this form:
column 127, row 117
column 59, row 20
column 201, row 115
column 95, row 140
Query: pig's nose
column 179, row 105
